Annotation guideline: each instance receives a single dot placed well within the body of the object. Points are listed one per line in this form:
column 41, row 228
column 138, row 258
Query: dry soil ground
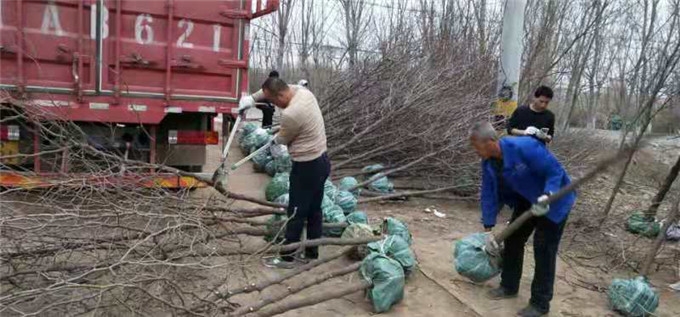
column 436, row 289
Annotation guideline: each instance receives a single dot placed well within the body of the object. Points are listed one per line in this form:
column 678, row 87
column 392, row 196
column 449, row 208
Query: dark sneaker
column 531, row 311
column 278, row 263
column 500, row 293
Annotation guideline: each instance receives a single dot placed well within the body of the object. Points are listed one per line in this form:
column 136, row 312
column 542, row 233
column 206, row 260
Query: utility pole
column 511, row 60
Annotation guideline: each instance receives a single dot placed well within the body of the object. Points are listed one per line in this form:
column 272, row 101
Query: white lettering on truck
column 51, row 19
column 93, row 22
column 182, row 40
column 217, row 36
column 143, row 32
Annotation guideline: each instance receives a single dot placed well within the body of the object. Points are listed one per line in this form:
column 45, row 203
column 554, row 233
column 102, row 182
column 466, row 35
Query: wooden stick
column 602, row 166
column 407, row 194
column 236, row 196
column 672, row 217
column 248, row 212
column 317, row 279
column 315, row 298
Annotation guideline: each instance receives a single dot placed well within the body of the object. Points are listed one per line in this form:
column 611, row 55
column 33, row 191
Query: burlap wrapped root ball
column 647, row 226
column 358, row 230
column 330, row 190
column 346, row 201
column 357, row 217
column 282, row 161
column 247, row 129
column 261, row 160
column 349, row 182
column 395, row 227
column 472, row 261
column 396, row 248
column 333, row 214
column 382, row 184
column 254, row 140
column 387, row 279
column 633, row 297
column 279, row 185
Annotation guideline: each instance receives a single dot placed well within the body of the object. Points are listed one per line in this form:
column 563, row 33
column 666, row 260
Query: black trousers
column 546, row 242
column 305, row 196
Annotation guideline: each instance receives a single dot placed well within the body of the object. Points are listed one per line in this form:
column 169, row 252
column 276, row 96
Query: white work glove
column 531, row 131
column 245, row 103
column 543, row 134
column 541, row 207
column 491, row 247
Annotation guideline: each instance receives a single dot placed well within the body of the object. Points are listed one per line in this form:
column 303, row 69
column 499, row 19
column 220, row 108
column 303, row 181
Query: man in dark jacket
column 523, row 167
column 266, row 107
column 535, row 119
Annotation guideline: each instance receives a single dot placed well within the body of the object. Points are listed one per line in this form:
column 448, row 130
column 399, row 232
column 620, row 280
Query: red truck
column 150, row 75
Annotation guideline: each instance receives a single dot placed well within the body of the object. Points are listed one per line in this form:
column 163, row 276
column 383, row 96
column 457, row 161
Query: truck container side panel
column 50, row 44
column 202, row 41
column 8, row 41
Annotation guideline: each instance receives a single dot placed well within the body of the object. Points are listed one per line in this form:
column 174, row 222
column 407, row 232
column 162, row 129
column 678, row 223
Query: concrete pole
column 511, row 58
column 511, row 45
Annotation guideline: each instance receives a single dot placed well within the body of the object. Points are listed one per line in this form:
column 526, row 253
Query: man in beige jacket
column 302, row 130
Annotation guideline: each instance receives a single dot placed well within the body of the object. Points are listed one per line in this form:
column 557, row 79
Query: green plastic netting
column 634, row 297
column 373, row 168
column 387, row 278
column 382, row 184
column 346, row 201
column 327, row 203
column 472, row 261
column 270, row 168
column 358, row 230
column 392, row 226
column 246, row 130
column 278, row 186
column 396, row 248
column 641, row 224
column 275, row 228
column 346, row 183
column 255, row 140
column 357, row 217
column 333, row 215
column 283, row 164
column 249, row 127
column 281, row 157
column 330, row 190
column 260, row 161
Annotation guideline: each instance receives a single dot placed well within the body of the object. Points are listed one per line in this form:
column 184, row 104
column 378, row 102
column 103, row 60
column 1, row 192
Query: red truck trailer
column 150, row 75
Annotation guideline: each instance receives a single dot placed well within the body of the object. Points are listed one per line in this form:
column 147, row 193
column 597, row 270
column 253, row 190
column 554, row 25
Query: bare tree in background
column 658, row 58
column 357, row 18
column 283, row 16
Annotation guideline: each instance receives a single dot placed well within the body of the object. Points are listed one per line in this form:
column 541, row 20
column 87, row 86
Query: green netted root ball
column 387, row 278
column 472, row 261
column 633, row 297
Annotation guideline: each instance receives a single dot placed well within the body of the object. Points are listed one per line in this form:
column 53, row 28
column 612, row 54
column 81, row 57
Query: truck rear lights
column 9, row 133
column 193, row 137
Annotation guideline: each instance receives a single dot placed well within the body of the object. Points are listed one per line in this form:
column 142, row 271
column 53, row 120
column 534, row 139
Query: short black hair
column 274, row 74
column 543, row 91
column 274, row 85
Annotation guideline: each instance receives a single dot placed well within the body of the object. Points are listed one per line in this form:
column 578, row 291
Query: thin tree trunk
column 315, row 280
column 665, row 187
column 672, row 217
column 316, row 298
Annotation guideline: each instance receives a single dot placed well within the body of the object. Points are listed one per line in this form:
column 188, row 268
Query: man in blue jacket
column 522, row 167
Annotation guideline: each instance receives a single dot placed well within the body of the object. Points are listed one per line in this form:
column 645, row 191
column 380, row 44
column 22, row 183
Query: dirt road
column 436, row 289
